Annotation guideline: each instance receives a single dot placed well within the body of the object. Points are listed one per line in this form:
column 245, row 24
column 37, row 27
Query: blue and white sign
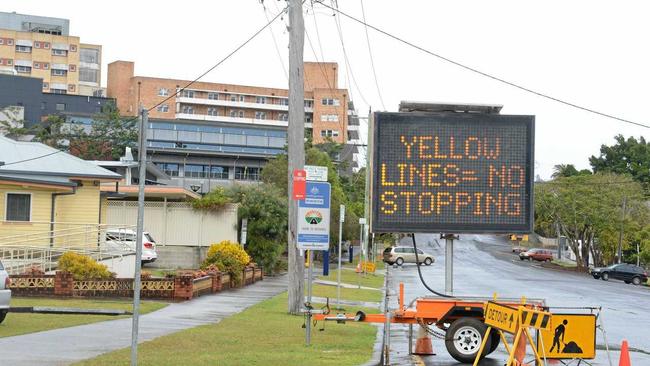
column 314, row 217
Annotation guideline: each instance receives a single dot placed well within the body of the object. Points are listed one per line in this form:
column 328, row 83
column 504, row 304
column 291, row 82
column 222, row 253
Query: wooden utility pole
column 296, row 142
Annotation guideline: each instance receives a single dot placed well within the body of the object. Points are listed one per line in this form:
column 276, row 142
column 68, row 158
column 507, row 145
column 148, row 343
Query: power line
column 275, row 43
column 222, row 60
column 372, row 60
column 485, row 74
column 30, row 159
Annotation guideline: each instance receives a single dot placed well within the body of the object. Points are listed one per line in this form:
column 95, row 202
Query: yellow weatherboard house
column 49, row 197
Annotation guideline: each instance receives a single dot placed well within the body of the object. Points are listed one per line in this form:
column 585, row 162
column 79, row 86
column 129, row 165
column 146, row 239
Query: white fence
column 177, row 223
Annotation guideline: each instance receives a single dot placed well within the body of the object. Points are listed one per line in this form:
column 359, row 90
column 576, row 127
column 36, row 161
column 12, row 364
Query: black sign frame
column 380, row 118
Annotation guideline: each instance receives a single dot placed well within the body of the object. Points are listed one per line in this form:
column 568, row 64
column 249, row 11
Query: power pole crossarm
column 296, row 144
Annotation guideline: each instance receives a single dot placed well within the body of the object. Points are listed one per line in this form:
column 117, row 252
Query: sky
column 591, row 53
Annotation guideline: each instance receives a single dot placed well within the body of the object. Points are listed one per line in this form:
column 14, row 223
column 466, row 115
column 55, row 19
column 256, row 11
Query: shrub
column 228, row 257
column 213, row 201
column 83, row 267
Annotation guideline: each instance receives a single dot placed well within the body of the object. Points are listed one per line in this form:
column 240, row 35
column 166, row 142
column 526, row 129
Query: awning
column 23, row 63
column 60, row 46
column 24, row 42
column 59, row 67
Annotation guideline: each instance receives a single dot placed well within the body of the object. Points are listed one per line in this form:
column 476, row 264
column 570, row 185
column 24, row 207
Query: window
column 247, row 173
column 309, row 103
column 37, row 44
column 59, row 72
column 219, row 172
column 284, row 101
column 73, row 48
column 163, row 92
column 188, row 94
column 260, row 100
column 57, row 52
column 170, row 169
column 242, row 98
column 10, row 42
column 24, row 49
column 72, row 68
column 187, row 109
column 212, row 111
column 196, row 171
column 308, row 118
column 329, row 118
column 329, row 133
column 330, row 101
column 37, row 65
column 46, row 45
column 164, row 108
column 71, row 87
column 59, row 91
column 19, row 207
column 88, row 75
column 213, row 96
column 23, row 69
column 89, row 55
column 46, row 66
column 260, row 115
column 60, row 106
column 283, row 116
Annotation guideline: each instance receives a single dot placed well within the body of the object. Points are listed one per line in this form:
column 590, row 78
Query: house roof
column 153, row 191
column 36, row 159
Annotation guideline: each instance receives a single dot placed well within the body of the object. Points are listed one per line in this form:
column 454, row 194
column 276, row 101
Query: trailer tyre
column 464, row 337
column 495, row 339
column 3, row 315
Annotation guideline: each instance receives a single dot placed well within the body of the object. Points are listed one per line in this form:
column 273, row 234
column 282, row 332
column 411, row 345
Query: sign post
column 313, row 232
column 338, row 276
column 299, row 184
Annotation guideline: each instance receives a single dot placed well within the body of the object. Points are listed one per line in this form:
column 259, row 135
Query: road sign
column 569, row 336
column 534, row 318
column 244, row 231
column 314, row 217
column 316, row 173
column 299, row 184
column 342, row 213
column 501, row 317
column 452, row 172
column 362, row 221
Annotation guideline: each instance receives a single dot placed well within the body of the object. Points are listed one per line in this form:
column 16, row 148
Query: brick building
column 213, row 134
column 41, row 47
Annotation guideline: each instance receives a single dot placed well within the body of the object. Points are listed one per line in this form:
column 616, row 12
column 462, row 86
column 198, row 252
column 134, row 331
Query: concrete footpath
column 68, row 345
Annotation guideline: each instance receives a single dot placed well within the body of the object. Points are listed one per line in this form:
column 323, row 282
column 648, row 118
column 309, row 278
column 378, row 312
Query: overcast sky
column 592, row 53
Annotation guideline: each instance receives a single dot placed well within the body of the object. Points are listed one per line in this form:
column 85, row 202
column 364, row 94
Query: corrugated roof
column 37, row 179
column 33, row 158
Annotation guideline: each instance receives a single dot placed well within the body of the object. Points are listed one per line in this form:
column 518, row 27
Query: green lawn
column 564, row 263
column 263, row 334
column 16, row 324
column 346, row 293
column 353, row 278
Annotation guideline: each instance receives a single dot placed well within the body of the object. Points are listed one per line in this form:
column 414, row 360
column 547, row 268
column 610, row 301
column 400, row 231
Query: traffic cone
column 520, row 352
column 423, row 346
column 624, row 360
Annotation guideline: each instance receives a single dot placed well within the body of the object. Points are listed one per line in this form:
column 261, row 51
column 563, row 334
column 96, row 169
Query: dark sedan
column 628, row 273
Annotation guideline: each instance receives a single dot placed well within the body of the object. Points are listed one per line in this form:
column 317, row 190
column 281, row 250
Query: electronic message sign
column 452, row 173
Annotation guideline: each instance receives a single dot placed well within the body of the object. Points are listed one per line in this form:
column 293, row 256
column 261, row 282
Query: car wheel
column 636, row 281
column 605, row 276
column 399, row 261
column 548, row 260
column 626, row 282
column 464, row 337
column 521, row 258
column 3, row 315
column 595, row 277
column 428, row 261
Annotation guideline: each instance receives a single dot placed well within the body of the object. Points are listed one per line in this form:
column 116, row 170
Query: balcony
column 249, row 121
column 238, row 104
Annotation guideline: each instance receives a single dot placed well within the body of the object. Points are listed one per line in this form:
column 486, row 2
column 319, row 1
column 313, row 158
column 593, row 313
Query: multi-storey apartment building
column 41, row 47
column 211, row 133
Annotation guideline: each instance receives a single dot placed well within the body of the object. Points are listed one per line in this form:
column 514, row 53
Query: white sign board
column 342, row 213
column 314, row 217
column 316, row 173
column 362, row 221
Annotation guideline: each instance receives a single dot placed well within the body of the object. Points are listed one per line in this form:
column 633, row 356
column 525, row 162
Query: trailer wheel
column 464, row 337
column 495, row 339
column 3, row 315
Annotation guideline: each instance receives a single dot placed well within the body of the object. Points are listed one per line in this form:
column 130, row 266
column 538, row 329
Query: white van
column 125, row 240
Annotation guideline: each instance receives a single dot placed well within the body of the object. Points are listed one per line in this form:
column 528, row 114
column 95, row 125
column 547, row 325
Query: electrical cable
column 372, row 59
column 30, row 159
column 174, row 95
column 485, row 74
column 275, row 43
column 417, row 263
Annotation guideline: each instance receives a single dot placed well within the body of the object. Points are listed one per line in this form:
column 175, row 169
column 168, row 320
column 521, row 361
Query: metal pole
column 296, row 144
column 142, row 167
column 449, row 264
column 338, row 270
column 620, row 234
column 310, row 273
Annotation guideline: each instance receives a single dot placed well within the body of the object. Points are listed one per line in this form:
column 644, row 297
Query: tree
column 631, row 157
column 567, row 170
column 588, row 211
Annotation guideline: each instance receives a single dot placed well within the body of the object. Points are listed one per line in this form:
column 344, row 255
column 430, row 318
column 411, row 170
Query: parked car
column 519, row 249
column 628, row 273
column 400, row 255
column 5, row 293
column 125, row 240
column 542, row 255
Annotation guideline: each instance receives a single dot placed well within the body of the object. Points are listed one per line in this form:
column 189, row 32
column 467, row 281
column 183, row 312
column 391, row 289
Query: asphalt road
column 483, row 265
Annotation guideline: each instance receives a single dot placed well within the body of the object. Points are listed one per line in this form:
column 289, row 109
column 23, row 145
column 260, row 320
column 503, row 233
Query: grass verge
column 16, row 323
column 347, row 293
column 564, row 264
column 353, row 278
column 263, row 334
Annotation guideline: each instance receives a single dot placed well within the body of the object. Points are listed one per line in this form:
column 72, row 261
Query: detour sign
column 452, row 172
column 501, row 317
